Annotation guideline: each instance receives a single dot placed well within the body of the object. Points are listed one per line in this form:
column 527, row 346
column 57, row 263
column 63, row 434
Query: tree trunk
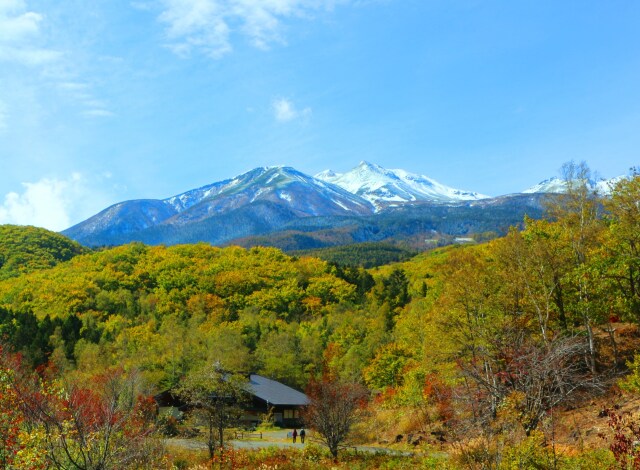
column 221, row 436
column 334, row 452
column 611, row 331
column 559, row 300
column 592, row 346
column 211, row 444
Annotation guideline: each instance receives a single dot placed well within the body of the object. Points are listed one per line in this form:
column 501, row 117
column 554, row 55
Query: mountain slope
column 384, row 187
column 121, row 218
column 304, row 195
column 252, row 203
column 413, row 225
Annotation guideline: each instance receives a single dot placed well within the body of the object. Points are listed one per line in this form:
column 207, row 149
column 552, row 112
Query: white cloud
column 52, row 203
column 16, row 24
column 197, row 24
column 207, row 25
column 19, row 33
column 284, row 110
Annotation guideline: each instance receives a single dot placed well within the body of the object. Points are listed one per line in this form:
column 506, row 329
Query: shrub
column 167, row 426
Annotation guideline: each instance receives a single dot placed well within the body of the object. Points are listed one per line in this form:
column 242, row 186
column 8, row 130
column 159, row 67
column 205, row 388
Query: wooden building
column 266, row 395
column 284, row 401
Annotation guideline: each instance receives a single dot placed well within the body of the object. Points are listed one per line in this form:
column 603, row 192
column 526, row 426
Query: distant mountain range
column 284, row 207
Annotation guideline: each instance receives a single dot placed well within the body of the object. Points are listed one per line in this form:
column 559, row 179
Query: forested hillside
column 26, row 249
column 165, row 310
column 416, row 225
column 366, row 255
column 462, row 342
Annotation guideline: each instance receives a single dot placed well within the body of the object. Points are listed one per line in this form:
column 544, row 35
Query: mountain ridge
column 268, row 200
column 259, row 198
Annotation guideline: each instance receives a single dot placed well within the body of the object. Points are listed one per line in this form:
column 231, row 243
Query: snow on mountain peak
column 381, row 186
column 550, row 185
column 558, row 185
column 302, row 193
column 327, row 175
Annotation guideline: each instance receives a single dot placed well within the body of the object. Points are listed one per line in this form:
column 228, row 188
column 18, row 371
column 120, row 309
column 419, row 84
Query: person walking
column 294, row 434
column 302, row 434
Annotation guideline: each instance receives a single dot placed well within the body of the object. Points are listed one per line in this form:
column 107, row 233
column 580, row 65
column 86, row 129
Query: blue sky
column 107, row 100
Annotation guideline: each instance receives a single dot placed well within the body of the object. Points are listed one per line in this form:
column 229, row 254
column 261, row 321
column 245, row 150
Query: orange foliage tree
column 107, row 424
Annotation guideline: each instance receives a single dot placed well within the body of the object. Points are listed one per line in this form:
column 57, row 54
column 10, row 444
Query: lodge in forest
column 266, row 394
column 283, row 400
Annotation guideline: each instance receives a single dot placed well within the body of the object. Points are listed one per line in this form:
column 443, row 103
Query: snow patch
column 259, row 192
column 341, row 204
column 286, row 196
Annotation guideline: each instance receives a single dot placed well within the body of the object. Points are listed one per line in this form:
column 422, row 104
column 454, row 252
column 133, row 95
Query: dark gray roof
column 274, row 392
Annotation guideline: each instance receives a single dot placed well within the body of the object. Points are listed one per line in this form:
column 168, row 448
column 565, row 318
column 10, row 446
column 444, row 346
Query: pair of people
column 302, row 435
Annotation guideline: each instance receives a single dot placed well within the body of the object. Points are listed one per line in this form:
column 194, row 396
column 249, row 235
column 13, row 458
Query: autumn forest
column 480, row 352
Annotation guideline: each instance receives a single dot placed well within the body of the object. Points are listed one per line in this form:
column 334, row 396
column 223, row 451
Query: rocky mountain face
column 366, row 203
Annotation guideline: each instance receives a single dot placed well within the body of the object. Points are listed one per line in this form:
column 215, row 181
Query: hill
column 366, row 255
column 24, row 249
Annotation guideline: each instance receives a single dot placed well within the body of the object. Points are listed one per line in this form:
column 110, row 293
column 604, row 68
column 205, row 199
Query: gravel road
column 269, row 439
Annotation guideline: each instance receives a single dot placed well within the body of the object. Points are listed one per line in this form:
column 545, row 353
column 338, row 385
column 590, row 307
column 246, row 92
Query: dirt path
column 270, row 439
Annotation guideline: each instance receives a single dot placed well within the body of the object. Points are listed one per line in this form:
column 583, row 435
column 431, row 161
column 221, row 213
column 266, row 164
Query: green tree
column 620, row 253
column 277, row 355
column 216, row 396
column 578, row 213
column 387, row 367
column 395, row 289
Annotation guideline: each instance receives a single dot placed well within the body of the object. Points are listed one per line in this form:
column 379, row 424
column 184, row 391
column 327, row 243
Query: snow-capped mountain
column 551, row 185
column 337, row 208
column 303, row 194
column 384, row 188
column 558, row 185
column 251, row 203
